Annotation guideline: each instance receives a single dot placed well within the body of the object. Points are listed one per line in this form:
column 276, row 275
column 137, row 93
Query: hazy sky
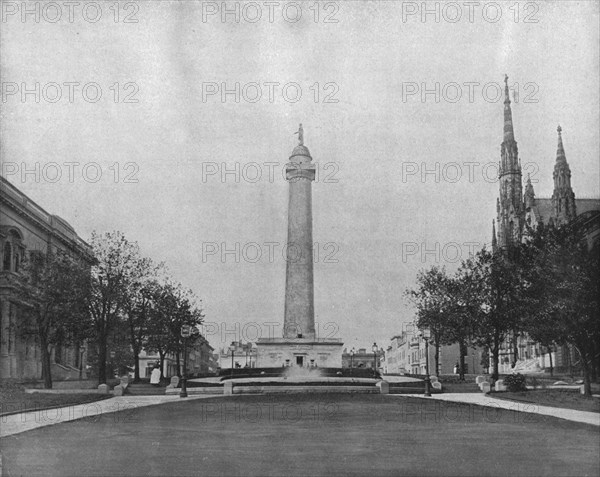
column 366, row 125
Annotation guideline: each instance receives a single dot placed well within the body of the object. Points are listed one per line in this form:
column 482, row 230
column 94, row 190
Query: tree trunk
column 515, row 348
column 437, row 359
column 585, row 367
column 178, row 366
column 550, row 357
column 161, row 356
column 462, row 350
column 496, row 357
column 102, row 359
column 46, row 363
column 136, row 365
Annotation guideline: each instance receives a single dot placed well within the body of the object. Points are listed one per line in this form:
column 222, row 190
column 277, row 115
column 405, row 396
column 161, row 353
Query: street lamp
column 426, row 334
column 374, row 348
column 352, row 351
column 186, row 332
column 232, row 349
column 81, row 353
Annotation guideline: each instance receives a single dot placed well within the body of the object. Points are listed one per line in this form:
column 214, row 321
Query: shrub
column 515, row 382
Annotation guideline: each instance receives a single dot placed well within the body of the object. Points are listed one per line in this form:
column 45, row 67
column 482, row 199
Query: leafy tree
column 137, row 309
column 496, row 299
column 564, row 276
column 56, row 287
column 118, row 267
column 433, row 302
column 172, row 308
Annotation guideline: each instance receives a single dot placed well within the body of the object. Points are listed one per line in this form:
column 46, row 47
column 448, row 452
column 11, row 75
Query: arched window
column 7, row 259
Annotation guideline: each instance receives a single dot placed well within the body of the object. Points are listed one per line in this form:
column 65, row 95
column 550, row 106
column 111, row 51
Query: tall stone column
column 299, row 316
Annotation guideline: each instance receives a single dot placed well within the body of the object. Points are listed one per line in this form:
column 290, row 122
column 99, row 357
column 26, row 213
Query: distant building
column 406, row 355
column 244, row 355
column 200, row 361
column 362, row 358
column 27, row 228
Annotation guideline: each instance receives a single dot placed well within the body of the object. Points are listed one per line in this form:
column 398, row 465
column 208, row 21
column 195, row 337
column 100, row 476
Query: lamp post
column 186, row 332
column 351, row 360
column 232, row 349
column 374, row 348
column 426, row 334
column 81, row 353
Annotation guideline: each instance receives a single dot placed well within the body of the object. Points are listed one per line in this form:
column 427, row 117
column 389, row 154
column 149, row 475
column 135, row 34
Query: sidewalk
column 485, row 400
column 93, row 411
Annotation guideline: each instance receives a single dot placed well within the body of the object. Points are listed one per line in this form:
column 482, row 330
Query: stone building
column 200, row 361
column 406, row 355
column 244, row 355
column 25, row 227
column 516, row 209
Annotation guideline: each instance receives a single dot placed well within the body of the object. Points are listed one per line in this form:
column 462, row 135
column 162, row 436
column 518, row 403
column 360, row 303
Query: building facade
column 240, row 354
column 516, row 209
column 200, row 361
column 407, row 355
column 25, row 227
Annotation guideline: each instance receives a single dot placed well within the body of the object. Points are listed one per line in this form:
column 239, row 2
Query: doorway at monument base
column 299, row 353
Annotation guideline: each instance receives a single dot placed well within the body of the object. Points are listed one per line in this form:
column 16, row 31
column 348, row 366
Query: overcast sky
column 366, row 124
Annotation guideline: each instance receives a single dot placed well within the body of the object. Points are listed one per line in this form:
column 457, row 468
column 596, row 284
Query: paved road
column 17, row 423
column 484, row 400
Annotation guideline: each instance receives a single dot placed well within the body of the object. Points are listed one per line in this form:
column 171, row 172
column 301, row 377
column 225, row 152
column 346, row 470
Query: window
column 7, row 256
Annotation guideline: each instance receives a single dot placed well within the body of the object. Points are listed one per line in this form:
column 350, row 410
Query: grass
column 14, row 398
column 566, row 399
column 301, row 434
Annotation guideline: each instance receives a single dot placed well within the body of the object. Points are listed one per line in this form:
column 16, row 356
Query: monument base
column 299, row 353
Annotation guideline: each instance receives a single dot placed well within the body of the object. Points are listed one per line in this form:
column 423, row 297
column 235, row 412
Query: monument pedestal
column 299, row 352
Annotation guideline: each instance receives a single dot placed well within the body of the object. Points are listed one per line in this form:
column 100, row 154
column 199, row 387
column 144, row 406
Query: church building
column 516, row 209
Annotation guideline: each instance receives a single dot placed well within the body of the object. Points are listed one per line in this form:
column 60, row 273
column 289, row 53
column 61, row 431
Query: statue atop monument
column 300, row 133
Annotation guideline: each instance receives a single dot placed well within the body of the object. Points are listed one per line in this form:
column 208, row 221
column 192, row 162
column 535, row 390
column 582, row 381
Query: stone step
column 144, row 390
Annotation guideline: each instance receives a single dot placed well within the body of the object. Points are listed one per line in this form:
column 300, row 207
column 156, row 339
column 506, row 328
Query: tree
column 172, row 308
column 564, row 282
column 496, row 299
column 432, row 302
column 137, row 309
column 56, row 288
column 118, row 267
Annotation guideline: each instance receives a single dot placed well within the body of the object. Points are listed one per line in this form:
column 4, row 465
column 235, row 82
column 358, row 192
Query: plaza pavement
column 25, row 421
column 481, row 399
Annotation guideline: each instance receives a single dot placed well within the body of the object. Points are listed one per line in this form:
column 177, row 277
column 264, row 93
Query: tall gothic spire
column 529, row 196
column 563, row 198
column 511, row 213
column 509, row 134
column 560, row 150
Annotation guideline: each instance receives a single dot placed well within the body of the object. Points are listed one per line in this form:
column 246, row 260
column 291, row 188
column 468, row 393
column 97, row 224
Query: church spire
column 511, row 213
column 563, row 198
column 509, row 134
column 560, row 151
column 529, row 197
